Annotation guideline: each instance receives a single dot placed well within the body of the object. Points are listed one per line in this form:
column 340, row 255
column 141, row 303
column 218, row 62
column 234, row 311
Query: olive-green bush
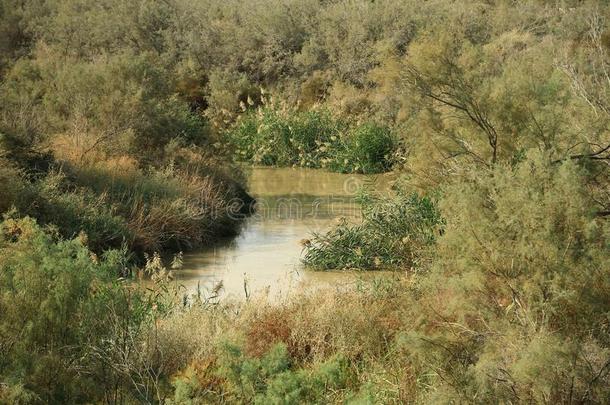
column 62, row 312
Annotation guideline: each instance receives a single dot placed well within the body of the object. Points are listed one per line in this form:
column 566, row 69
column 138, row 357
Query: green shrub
column 61, row 309
column 393, row 233
column 271, row 379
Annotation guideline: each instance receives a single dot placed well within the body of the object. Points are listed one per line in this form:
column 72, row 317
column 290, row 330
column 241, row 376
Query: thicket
column 70, row 331
column 97, row 139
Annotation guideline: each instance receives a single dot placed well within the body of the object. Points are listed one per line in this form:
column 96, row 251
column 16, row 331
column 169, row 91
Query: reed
column 273, row 135
column 393, row 234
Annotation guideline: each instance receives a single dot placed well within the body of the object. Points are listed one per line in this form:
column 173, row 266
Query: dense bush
column 62, row 311
column 515, row 307
column 274, row 379
column 114, row 105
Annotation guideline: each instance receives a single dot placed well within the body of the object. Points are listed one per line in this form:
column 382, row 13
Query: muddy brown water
column 265, row 258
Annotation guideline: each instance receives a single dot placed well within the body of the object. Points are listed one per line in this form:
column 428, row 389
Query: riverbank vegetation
column 119, row 125
column 446, row 334
column 315, row 139
column 115, row 202
column 394, row 233
column 99, row 141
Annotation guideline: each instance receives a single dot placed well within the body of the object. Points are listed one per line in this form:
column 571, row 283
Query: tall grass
column 317, row 347
column 393, row 233
column 168, row 208
column 178, row 206
column 276, row 136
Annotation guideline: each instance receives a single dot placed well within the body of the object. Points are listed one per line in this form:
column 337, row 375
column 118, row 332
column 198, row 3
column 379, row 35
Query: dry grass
column 181, row 205
column 360, row 324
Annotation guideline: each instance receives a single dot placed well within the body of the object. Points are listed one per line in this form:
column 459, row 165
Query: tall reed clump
column 274, row 136
column 393, row 233
column 367, row 148
column 271, row 137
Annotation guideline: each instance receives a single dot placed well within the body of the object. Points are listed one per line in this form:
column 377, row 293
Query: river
column 265, row 258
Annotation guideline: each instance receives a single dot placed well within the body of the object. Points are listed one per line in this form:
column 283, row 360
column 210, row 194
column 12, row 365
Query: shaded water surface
column 291, row 204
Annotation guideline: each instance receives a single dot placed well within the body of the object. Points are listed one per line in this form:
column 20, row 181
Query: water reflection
column 291, row 204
